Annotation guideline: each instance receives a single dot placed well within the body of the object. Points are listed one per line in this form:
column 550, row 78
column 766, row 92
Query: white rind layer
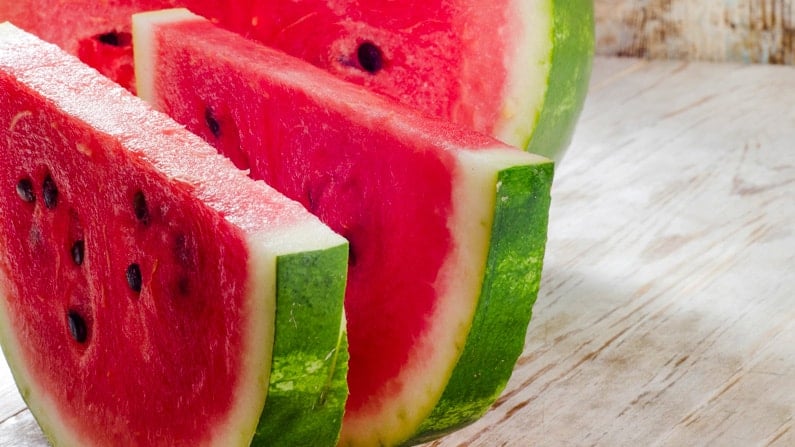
column 528, row 65
column 142, row 26
column 458, row 286
column 409, row 398
column 42, row 407
column 264, row 250
column 242, row 422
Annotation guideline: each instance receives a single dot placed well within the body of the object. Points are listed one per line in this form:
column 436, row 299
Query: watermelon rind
column 547, row 48
column 501, row 214
column 143, row 45
column 510, row 288
column 308, row 386
column 569, row 69
column 282, row 240
column 478, row 166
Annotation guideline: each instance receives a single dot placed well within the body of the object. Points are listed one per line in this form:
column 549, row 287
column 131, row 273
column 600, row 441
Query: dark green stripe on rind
column 510, row 287
column 308, row 386
column 567, row 85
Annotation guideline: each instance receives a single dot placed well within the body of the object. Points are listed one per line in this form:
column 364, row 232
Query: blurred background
column 755, row 31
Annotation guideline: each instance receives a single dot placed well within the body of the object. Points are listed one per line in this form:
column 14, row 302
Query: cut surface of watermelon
column 435, row 216
column 515, row 69
column 140, row 272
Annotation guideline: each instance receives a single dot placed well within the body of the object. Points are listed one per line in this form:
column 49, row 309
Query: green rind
column 308, row 386
column 572, row 34
column 510, row 287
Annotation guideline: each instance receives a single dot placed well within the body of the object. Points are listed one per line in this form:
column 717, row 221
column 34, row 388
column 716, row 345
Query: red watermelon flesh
column 137, row 266
column 514, row 69
column 327, row 34
column 420, row 44
column 414, row 196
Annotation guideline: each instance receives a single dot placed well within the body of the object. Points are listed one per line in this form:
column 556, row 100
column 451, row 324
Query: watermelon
column 515, row 69
column 446, row 226
column 150, row 292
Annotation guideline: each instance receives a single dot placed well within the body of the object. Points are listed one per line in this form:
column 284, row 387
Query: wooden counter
column 667, row 310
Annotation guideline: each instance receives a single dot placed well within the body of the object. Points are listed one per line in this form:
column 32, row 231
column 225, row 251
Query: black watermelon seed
column 50, row 192
column 115, row 38
column 212, row 122
column 25, row 190
column 183, row 286
column 140, row 208
column 78, row 250
column 134, row 277
column 370, row 57
column 77, row 326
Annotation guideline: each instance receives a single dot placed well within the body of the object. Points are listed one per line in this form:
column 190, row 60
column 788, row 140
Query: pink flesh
column 156, row 366
column 443, row 57
column 371, row 170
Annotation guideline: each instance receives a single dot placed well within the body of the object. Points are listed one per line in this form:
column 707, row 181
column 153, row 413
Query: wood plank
column 727, row 30
column 10, row 401
column 21, row 430
column 665, row 316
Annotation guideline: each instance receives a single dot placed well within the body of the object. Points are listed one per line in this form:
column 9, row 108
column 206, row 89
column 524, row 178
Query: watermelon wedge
column 150, row 292
column 446, row 227
column 515, row 69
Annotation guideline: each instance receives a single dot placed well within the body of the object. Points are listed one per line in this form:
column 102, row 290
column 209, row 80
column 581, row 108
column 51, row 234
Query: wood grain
column 666, row 315
column 714, row 30
column 667, row 310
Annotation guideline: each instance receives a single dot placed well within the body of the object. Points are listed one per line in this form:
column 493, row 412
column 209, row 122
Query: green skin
column 509, row 290
column 511, row 281
column 308, row 384
column 516, row 253
column 567, row 83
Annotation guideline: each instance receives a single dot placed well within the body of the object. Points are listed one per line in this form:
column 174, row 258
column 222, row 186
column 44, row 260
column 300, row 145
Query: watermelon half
column 446, row 226
column 149, row 291
column 515, row 69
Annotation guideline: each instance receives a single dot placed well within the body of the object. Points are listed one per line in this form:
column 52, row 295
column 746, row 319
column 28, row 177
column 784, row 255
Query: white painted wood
column 667, row 310
column 10, row 401
column 716, row 30
column 21, row 430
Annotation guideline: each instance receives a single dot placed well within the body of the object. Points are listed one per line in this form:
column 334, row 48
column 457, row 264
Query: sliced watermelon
column 515, row 69
column 446, row 227
column 143, row 278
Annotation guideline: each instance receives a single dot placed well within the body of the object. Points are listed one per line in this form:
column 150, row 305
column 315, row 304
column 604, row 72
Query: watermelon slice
column 515, row 69
column 446, row 227
column 149, row 291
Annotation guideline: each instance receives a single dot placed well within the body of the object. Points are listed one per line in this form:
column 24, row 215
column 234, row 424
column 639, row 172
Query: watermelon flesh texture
column 417, row 199
column 514, row 69
column 138, row 268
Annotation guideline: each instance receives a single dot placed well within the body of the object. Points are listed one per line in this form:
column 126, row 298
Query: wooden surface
column 667, row 310
column 715, row 30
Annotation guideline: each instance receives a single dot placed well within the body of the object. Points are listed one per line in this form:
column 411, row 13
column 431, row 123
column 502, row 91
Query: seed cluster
column 141, row 212
column 75, row 320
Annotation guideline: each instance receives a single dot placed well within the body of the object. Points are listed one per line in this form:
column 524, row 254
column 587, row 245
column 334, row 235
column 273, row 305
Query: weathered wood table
column 667, row 309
